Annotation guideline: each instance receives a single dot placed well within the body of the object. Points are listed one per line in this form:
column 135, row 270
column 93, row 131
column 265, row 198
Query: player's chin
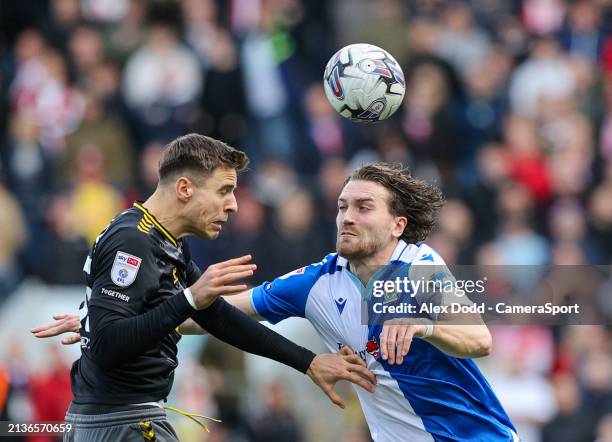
column 209, row 233
column 346, row 247
column 213, row 234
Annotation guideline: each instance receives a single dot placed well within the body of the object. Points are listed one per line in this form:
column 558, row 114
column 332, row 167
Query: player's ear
column 184, row 189
column 400, row 225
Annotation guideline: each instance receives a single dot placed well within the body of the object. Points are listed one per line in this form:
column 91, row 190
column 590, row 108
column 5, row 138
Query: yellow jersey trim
column 143, row 230
column 151, row 219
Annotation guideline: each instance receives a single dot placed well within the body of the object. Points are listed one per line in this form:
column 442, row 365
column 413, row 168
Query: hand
column 216, row 279
column 396, row 337
column 325, row 370
column 63, row 324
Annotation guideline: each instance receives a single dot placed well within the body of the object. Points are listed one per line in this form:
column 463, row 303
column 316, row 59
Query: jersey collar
column 398, row 254
column 149, row 217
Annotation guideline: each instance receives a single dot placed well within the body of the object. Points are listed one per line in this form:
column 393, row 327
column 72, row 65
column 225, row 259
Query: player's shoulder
column 428, row 264
column 312, row 272
column 426, row 255
column 128, row 230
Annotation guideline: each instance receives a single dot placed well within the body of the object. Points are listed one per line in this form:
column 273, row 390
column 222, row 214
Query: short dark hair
column 415, row 199
column 198, row 156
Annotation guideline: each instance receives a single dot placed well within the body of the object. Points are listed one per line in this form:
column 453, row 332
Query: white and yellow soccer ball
column 364, row 83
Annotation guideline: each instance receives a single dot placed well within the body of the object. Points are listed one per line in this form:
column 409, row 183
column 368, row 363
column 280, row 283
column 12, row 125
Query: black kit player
column 142, row 284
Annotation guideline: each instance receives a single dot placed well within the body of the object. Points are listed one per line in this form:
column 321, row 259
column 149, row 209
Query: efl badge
column 125, row 268
column 295, row 272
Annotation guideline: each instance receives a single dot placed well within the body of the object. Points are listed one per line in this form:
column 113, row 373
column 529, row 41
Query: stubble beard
column 356, row 251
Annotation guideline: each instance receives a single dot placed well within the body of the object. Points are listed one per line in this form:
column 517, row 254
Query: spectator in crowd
column 13, row 236
column 162, row 81
column 276, row 422
column 109, row 135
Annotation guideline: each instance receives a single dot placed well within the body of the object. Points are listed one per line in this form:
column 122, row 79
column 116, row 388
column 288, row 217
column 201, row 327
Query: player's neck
column 165, row 213
column 366, row 267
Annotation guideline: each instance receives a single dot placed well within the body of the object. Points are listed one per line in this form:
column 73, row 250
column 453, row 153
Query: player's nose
column 231, row 205
column 348, row 217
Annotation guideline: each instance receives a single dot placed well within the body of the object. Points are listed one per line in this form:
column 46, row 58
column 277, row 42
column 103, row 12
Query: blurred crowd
column 508, row 108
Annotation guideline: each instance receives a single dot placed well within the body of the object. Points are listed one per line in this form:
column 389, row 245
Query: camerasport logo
column 125, row 268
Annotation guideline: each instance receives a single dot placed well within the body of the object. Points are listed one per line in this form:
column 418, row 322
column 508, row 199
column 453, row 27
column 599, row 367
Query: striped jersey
column 431, row 396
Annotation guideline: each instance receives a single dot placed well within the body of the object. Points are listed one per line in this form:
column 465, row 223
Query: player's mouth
column 346, row 233
column 218, row 225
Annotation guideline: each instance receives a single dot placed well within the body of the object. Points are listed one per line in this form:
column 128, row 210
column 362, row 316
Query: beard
column 356, row 248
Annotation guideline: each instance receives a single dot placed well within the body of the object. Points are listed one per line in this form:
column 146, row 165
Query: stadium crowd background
column 508, row 107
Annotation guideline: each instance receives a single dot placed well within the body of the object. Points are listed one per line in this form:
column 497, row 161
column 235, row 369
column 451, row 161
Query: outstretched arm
column 242, row 301
column 70, row 323
column 324, row 370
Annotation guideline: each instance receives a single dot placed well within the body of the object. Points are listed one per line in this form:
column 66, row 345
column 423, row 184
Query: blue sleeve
column 286, row 296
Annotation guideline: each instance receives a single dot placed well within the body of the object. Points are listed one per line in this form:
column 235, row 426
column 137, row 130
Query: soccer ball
column 364, row 83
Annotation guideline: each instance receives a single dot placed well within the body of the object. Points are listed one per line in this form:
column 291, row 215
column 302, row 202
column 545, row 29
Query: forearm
column 463, row 341
column 116, row 338
column 236, row 328
column 190, row 327
column 242, row 301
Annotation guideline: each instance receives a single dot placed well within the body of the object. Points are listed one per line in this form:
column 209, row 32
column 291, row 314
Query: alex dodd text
column 455, row 307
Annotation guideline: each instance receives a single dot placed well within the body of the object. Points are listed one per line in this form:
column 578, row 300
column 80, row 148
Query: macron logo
column 340, row 303
column 427, row 257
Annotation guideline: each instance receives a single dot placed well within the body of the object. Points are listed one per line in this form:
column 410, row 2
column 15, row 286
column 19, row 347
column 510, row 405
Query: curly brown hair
column 198, row 155
column 415, row 199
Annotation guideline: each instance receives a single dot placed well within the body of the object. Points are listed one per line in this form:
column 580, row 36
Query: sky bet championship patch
column 125, row 268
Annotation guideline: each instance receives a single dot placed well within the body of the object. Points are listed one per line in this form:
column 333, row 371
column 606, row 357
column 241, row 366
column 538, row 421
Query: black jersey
column 134, row 266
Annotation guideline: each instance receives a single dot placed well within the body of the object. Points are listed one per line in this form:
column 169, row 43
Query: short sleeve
column 124, row 272
column 286, row 296
column 432, row 280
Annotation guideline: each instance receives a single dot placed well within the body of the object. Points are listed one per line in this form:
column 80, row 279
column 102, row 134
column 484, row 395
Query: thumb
column 71, row 340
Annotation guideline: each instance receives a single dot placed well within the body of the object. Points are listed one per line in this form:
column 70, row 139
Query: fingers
column 235, row 269
column 215, row 277
column 364, row 373
column 392, row 343
column 353, row 359
column 383, row 341
column 232, row 262
column 234, row 276
column 40, row 328
column 404, row 345
column 388, row 339
column 49, row 332
column 58, row 317
column 67, row 324
column 399, row 340
column 73, row 339
column 50, row 329
column 335, row 398
column 358, row 380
